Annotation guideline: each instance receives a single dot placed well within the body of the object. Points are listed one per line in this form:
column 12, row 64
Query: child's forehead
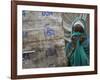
column 77, row 26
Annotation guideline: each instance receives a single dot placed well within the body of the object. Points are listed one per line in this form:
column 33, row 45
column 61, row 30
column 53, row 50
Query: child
column 77, row 51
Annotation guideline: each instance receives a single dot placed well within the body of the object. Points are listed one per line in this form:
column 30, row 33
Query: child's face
column 78, row 28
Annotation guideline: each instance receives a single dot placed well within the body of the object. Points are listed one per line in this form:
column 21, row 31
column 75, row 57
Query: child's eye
column 74, row 38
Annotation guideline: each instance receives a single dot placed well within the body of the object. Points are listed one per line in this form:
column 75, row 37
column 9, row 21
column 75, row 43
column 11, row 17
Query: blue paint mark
column 49, row 32
column 23, row 13
column 24, row 34
column 47, row 13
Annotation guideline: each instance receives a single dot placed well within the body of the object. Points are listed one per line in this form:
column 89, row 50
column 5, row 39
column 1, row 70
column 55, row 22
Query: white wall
column 5, row 37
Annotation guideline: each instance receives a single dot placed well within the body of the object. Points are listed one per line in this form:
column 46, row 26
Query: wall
column 5, row 43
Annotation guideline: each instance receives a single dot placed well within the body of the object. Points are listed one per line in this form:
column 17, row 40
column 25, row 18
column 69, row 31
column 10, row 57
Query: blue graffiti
column 47, row 13
column 49, row 32
column 24, row 34
column 23, row 13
